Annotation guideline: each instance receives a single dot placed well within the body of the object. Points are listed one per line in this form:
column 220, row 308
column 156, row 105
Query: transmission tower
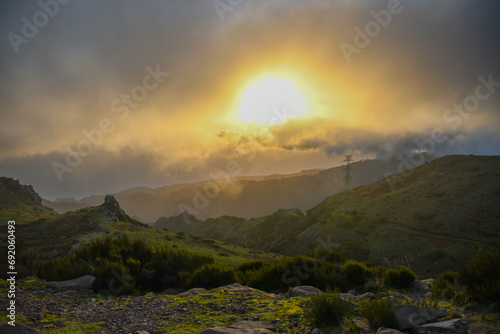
column 347, row 184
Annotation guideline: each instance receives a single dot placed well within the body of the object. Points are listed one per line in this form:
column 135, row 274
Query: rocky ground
column 232, row 309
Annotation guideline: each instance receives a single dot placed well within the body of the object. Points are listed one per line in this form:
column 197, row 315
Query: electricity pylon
column 347, row 184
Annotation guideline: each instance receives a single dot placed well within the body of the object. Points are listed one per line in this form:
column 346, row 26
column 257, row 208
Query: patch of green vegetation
column 327, row 309
column 378, row 313
column 77, row 328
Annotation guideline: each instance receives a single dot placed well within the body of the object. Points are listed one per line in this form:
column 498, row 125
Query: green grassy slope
column 432, row 218
column 58, row 235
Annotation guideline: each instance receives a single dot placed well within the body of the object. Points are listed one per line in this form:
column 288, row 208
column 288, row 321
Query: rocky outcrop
column 11, row 188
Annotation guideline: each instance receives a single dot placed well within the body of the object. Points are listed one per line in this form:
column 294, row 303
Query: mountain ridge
column 244, row 196
column 433, row 216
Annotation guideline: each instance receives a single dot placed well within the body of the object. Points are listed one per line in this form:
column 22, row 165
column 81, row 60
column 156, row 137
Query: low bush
column 446, row 285
column 209, row 276
column 327, row 310
column 378, row 313
column 357, row 273
column 481, row 277
column 399, row 278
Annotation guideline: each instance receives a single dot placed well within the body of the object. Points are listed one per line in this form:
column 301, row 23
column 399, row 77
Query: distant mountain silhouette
column 245, row 197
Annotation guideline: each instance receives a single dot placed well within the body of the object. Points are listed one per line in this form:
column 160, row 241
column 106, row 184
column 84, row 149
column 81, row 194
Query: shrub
column 250, row 265
column 378, row 313
column 283, row 274
column 399, row 278
column 357, row 273
column 330, row 276
column 210, row 276
column 446, row 285
column 482, row 277
column 114, row 279
column 327, row 310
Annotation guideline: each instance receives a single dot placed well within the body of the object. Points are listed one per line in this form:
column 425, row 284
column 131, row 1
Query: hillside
column 20, row 202
column 246, row 197
column 432, row 218
column 58, row 235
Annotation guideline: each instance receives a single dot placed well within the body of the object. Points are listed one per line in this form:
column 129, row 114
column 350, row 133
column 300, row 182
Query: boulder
column 409, row 316
column 243, row 327
column 363, row 326
column 347, row 297
column 304, row 290
column 84, row 282
column 419, row 287
column 18, row 329
column 480, row 328
column 367, row 296
column 193, row 291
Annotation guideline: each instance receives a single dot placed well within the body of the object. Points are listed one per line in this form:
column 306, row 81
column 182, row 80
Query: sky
column 99, row 96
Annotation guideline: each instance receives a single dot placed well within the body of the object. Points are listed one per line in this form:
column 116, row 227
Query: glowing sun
column 271, row 100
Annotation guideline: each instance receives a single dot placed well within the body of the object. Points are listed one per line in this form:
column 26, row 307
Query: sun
column 271, row 100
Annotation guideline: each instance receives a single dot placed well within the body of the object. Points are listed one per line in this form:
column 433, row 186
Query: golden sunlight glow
column 271, row 100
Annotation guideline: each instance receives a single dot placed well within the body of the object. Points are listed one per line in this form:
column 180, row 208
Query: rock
column 409, row 316
column 363, row 326
column 243, row 327
column 480, row 328
column 141, row 332
column 193, row 291
column 456, row 326
column 352, row 292
column 236, row 287
column 419, row 287
column 18, row 329
column 368, row 295
column 347, row 297
column 383, row 330
column 84, row 282
column 304, row 290
column 316, row 331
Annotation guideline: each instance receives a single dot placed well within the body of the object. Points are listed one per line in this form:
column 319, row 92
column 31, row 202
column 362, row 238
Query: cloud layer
column 393, row 94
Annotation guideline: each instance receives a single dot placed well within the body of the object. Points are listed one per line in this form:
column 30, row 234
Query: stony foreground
column 232, row 309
